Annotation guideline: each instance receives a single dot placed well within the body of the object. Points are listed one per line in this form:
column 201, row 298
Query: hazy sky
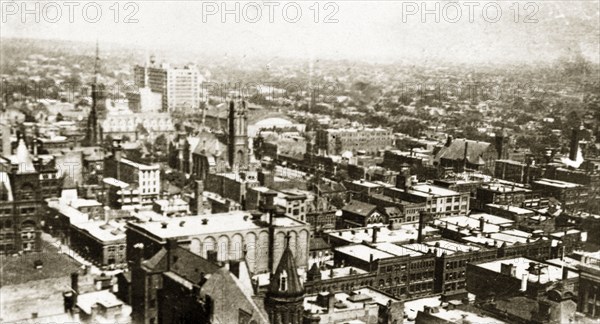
column 379, row 30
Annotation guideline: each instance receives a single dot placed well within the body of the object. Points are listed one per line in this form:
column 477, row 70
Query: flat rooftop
column 503, row 188
column 399, row 250
column 358, row 299
column 405, row 233
column 452, row 246
column 103, row 231
column 340, row 272
column 512, row 209
column 548, row 273
column 234, row 221
column 363, row 252
column 432, row 190
column 365, row 183
column 460, row 316
column 556, row 183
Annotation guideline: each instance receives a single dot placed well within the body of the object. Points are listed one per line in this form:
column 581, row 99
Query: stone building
column 20, row 202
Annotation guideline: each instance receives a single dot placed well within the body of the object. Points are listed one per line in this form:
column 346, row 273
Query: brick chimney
column 171, row 246
column 374, row 236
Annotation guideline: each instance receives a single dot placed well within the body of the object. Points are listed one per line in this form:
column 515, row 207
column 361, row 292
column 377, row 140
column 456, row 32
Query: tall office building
column 179, row 86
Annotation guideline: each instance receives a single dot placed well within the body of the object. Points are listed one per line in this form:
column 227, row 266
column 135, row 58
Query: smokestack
column 524, row 282
column 199, row 198
column 574, row 144
column 422, row 219
column 465, row 155
column 500, row 145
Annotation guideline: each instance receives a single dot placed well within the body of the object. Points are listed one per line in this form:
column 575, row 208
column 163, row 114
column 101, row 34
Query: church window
column 283, row 281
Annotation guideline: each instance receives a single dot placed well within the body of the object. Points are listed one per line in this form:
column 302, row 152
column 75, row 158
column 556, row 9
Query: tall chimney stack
column 423, row 215
column 199, row 198
column 574, row 144
column 466, row 155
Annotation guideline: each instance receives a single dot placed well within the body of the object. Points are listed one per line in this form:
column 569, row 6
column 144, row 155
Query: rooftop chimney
column 171, row 246
column 374, row 237
column 75, row 283
column 449, row 140
column 481, row 224
column 524, row 281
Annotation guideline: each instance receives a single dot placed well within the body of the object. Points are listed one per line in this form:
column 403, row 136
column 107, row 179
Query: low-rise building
column 365, row 305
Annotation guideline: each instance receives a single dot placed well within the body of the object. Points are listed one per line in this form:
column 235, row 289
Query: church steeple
column 238, row 135
column 93, row 132
column 285, row 296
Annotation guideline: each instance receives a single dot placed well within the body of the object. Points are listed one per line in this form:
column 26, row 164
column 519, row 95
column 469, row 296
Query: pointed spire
column 285, row 282
column 23, row 158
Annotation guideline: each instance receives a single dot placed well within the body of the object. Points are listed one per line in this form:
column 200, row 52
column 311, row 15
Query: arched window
column 283, row 281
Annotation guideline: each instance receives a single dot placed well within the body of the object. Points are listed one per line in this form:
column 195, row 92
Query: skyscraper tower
column 238, row 135
column 93, row 132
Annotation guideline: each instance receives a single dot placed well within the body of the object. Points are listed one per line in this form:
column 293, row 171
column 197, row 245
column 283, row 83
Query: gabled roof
column 359, row 208
column 209, row 144
column 190, row 265
column 286, row 267
column 158, row 262
column 456, row 151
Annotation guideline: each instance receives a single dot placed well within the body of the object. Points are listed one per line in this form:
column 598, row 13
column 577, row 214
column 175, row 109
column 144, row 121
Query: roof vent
column 204, row 221
column 164, row 225
column 181, row 223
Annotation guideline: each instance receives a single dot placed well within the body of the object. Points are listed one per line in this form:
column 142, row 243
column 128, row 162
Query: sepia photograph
column 300, row 162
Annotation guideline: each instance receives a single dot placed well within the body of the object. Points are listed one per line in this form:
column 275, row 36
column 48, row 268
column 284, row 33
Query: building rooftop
column 356, row 300
column 512, row 209
column 398, row 250
column 365, row 183
column 556, row 183
column 405, row 233
column 548, row 273
column 503, row 188
column 340, row 272
column 363, row 252
column 103, row 297
column 103, row 231
column 452, row 246
column 432, row 190
column 234, row 221
column 465, row 224
column 460, row 316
